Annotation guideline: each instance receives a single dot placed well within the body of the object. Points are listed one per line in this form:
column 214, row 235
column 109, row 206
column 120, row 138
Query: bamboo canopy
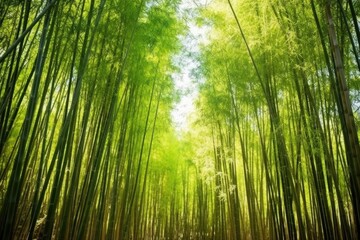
column 91, row 145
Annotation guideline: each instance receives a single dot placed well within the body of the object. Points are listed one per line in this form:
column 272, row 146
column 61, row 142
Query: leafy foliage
column 87, row 145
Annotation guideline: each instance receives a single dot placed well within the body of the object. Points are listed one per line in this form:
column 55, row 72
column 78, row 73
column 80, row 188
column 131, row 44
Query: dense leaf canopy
column 89, row 150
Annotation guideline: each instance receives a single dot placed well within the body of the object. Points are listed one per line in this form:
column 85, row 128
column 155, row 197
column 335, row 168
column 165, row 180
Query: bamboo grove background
column 87, row 146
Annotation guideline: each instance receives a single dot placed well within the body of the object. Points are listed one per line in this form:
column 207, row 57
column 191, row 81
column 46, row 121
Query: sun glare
column 186, row 84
